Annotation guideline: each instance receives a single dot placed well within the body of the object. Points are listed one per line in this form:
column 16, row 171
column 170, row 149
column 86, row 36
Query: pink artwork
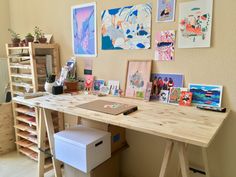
column 137, row 78
column 165, row 45
column 88, row 82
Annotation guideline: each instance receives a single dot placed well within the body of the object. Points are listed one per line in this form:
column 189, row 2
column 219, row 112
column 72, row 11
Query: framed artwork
column 84, row 40
column 195, row 23
column 209, row 95
column 174, row 95
column 165, row 10
column 137, row 77
column 97, row 84
column 165, row 45
column 164, row 95
column 127, row 27
column 185, row 98
column 165, row 82
column 114, row 86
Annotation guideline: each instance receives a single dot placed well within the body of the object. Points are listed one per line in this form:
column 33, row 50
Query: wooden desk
column 178, row 125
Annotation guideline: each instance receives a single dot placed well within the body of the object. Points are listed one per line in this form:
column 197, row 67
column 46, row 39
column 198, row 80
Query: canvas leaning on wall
column 127, row 27
column 84, row 30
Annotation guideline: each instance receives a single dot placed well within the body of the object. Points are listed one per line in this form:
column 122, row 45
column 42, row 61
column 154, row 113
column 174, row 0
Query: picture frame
column 138, row 74
column 209, row 95
column 84, row 39
column 162, row 15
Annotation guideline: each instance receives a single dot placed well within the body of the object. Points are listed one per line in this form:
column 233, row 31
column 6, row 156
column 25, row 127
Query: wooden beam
column 166, row 158
column 184, row 165
column 205, row 161
column 50, row 132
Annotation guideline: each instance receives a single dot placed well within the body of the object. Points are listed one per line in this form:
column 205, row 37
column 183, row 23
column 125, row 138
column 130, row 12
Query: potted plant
column 15, row 38
column 29, row 38
column 39, row 35
column 71, row 85
column 50, row 82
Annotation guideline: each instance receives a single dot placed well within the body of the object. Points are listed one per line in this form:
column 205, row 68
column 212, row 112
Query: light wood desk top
column 184, row 124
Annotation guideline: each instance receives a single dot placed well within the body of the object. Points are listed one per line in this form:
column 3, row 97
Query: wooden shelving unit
column 28, row 67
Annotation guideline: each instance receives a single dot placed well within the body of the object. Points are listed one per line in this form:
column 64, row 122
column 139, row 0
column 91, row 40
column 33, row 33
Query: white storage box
column 83, row 148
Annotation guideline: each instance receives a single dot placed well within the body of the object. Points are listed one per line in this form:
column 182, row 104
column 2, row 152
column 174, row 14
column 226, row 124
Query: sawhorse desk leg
column 183, row 160
column 184, row 167
column 46, row 125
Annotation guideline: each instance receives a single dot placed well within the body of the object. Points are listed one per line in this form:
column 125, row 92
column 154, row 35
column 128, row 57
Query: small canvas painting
column 97, row 84
column 165, row 82
column 209, row 95
column 104, row 90
column 84, row 30
column 148, row 91
column 165, row 10
column 163, row 96
column 195, row 23
column 114, row 87
column 174, row 95
column 165, row 45
column 127, row 27
column 185, row 98
column 138, row 75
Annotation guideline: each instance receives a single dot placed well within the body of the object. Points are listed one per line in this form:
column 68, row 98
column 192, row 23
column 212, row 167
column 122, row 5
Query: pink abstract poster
column 165, row 45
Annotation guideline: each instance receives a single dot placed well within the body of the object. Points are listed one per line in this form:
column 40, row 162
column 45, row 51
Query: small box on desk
column 83, row 148
column 118, row 139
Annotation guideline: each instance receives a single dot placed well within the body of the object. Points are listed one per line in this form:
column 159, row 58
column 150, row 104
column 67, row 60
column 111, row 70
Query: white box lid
column 81, row 136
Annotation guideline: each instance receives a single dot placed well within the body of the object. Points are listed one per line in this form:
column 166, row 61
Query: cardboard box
column 110, row 168
column 82, row 147
column 118, row 139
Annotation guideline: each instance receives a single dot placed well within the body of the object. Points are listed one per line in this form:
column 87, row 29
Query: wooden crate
column 7, row 135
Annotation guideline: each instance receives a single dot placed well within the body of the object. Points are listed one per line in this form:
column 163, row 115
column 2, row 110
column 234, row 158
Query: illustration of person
column 170, row 83
column 159, row 85
column 154, row 86
column 165, row 84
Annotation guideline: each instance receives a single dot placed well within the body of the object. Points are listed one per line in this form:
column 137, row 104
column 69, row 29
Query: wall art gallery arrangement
column 129, row 27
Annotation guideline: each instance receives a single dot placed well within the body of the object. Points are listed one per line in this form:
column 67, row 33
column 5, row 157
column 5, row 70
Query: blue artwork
column 165, row 10
column 127, row 28
column 84, row 30
column 206, row 94
column 165, row 82
column 97, row 84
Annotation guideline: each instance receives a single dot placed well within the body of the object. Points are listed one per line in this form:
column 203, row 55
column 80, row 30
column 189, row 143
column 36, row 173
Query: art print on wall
column 195, row 23
column 84, row 30
column 165, row 45
column 138, row 75
column 127, row 27
column 165, row 10
column 165, row 82
column 209, row 95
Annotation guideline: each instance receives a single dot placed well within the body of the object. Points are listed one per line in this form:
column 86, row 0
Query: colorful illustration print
column 137, row 77
column 163, row 97
column 166, row 10
column 165, row 82
column 84, row 30
column 195, row 24
column 127, row 28
column 185, row 98
column 206, row 94
column 165, row 45
column 114, row 87
column 97, row 84
column 174, row 96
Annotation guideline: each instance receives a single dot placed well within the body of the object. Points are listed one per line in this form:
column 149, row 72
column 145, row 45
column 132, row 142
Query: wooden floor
column 17, row 165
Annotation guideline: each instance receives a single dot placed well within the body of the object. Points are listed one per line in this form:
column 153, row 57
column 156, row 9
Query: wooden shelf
column 26, row 110
column 27, row 136
column 24, row 85
column 20, row 66
column 31, row 154
column 27, row 128
column 24, row 143
column 26, row 119
column 24, row 76
column 18, row 48
column 19, row 57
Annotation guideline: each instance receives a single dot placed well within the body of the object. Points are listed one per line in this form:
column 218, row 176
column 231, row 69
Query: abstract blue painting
column 127, row 28
column 84, row 30
column 209, row 95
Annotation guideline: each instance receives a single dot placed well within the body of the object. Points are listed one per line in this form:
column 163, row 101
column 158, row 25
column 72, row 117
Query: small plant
column 29, row 35
column 51, row 78
column 38, row 33
column 14, row 35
